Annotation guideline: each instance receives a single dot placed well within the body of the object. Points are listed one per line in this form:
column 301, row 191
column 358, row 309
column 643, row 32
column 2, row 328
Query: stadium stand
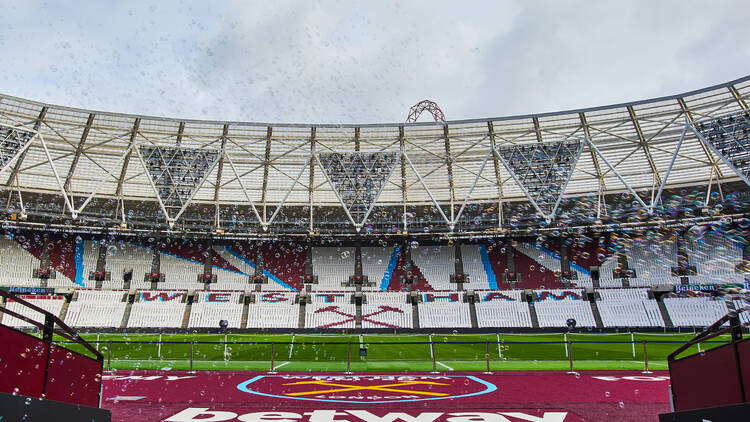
column 62, row 257
column 53, row 304
column 375, row 264
column 554, row 307
column 285, row 261
column 628, row 308
column 273, row 310
column 158, row 308
column 436, row 263
column 330, row 310
column 211, row 307
column 699, row 311
column 397, row 281
column 97, row 308
column 179, row 273
column 502, row 308
column 606, row 272
column 123, row 256
column 333, row 266
column 232, row 280
column 90, row 258
column 17, row 265
column 477, row 267
column 652, row 258
column 444, row 309
column 386, row 310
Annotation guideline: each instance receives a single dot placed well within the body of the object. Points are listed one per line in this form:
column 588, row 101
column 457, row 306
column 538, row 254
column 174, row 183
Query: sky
column 365, row 61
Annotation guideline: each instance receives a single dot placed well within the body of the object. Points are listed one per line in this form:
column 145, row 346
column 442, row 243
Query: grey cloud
column 366, row 61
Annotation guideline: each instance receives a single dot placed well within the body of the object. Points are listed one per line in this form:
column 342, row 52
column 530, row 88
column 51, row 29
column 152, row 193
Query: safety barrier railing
column 478, row 355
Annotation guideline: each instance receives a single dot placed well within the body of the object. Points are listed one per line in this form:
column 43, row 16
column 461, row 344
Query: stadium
column 569, row 249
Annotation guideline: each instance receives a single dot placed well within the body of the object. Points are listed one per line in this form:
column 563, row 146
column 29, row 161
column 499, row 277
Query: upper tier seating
column 333, row 266
column 694, row 311
column 273, row 310
column 652, row 258
column 158, row 308
column 123, row 256
column 52, row 304
column 179, row 273
column 17, row 265
column 554, row 307
column 606, row 272
column 375, row 261
column 502, row 308
column 628, row 308
column 90, row 257
column 97, row 308
column 436, row 263
column 474, row 267
column 230, row 279
column 209, row 308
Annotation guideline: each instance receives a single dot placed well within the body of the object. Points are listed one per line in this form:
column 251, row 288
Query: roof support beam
column 356, row 139
column 449, row 165
column 714, row 161
column 79, row 150
column 124, row 170
column 311, row 186
column 738, row 97
column 19, row 161
column 219, row 169
column 266, row 162
column 180, row 131
column 401, row 142
column 496, row 163
column 602, row 186
column 644, row 144
column 537, row 129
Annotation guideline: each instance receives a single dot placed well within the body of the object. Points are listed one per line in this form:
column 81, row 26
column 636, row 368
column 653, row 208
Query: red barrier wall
column 22, row 364
column 707, row 379
column 71, row 377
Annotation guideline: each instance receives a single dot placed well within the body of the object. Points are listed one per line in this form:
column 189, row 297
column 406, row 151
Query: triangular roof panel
column 542, row 170
column 177, row 172
column 358, row 178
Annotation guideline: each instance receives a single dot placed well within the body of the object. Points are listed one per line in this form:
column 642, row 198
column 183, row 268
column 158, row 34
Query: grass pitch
column 459, row 352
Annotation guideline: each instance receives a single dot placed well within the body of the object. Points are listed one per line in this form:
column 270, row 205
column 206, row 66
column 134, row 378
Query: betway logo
column 203, row 414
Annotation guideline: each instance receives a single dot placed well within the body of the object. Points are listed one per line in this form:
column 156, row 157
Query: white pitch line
column 280, row 365
column 650, row 363
column 445, row 366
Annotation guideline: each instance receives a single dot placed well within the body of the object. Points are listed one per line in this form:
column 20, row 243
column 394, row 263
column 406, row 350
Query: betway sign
column 204, row 414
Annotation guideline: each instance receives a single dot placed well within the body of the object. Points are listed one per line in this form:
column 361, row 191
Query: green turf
column 410, row 353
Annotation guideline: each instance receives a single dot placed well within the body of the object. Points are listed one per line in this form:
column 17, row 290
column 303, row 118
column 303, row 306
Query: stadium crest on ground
column 366, row 388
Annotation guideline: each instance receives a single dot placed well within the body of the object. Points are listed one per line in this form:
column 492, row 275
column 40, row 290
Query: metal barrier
column 477, row 358
column 40, row 367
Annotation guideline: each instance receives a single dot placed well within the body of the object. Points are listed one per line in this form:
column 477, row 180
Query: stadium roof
column 82, row 154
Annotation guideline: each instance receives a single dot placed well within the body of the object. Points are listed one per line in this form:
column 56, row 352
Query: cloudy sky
column 364, row 62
